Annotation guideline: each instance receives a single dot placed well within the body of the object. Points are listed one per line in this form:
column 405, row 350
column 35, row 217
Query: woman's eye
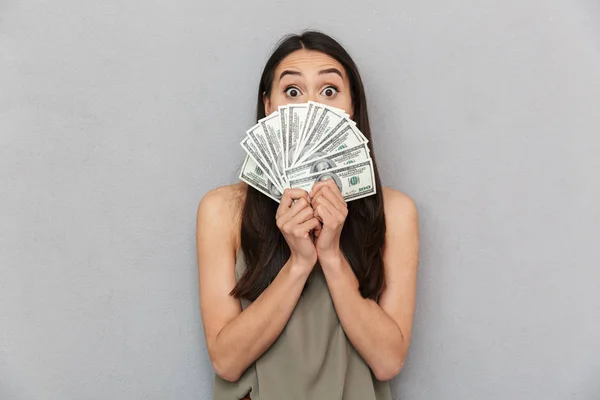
column 329, row 91
column 292, row 91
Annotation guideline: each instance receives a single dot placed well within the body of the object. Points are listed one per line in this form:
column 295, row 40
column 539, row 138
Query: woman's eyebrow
column 289, row 72
column 331, row 71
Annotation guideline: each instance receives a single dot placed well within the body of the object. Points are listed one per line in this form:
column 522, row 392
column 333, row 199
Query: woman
column 311, row 298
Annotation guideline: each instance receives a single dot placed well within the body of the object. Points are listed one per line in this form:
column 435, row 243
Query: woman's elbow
column 388, row 370
column 226, row 370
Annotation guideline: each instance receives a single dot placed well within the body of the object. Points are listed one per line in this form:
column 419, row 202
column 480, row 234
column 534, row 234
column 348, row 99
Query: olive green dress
column 312, row 359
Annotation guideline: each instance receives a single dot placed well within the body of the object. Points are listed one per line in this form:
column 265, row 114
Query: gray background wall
column 116, row 117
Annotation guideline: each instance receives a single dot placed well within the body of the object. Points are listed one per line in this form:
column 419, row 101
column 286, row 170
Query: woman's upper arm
column 216, row 247
column 401, row 258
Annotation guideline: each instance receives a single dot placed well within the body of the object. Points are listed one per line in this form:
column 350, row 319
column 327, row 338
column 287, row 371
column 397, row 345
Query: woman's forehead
column 308, row 61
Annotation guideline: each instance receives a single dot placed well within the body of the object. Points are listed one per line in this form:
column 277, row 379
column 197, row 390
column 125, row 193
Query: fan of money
column 301, row 144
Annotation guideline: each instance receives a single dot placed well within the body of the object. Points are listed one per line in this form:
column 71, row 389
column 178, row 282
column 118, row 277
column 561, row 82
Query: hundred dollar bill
column 353, row 123
column 283, row 121
column 311, row 118
column 346, row 136
column 328, row 121
column 355, row 181
column 313, row 115
column 254, row 176
column 318, row 108
column 252, row 150
column 259, row 137
column 320, row 162
column 271, row 127
column 309, row 122
column 335, row 109
column 297, row 116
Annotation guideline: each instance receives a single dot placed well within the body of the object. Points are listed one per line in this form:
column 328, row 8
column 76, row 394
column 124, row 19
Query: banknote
column 271, row 126
column 311, row 117
column 327, row 122
column 297, row 116
column 320, row 162
column 345, row 136
column 283, row 121
column 253, row 175
column 337, row 110
column 354, row 181
column 259, row 137
column 253, row 152
column 313, row 113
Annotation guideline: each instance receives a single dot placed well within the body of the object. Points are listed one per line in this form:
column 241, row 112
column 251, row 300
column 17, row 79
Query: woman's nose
column 313, row 96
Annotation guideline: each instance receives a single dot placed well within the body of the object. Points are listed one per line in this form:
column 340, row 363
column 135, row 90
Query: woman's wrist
column 299, row 268
column 332, row 259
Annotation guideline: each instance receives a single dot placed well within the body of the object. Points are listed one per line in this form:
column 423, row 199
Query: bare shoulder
column 223, row 197
column 398, row 206
column 401, row 219
column 219, row 210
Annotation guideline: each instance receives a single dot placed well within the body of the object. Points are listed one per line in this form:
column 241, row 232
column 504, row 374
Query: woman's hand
column 331, row 210
column 296, row 220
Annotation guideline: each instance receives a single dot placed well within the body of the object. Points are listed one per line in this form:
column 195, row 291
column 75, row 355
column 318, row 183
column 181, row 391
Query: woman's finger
column 300, row 204
column 317, row 230
column 316, row 213
column 328, row 193
column 307, row 226
column 330, row 183
column 288, row 199
column 326, row 212
column 302, row 216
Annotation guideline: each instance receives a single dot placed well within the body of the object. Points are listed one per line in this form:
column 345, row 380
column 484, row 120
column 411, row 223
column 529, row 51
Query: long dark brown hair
column 363, row 235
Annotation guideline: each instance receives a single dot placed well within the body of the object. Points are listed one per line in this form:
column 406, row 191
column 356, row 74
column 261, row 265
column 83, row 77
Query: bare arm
column 236, row 338
column 380, row 332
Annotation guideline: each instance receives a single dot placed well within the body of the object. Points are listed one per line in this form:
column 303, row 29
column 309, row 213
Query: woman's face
column 310, row 75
